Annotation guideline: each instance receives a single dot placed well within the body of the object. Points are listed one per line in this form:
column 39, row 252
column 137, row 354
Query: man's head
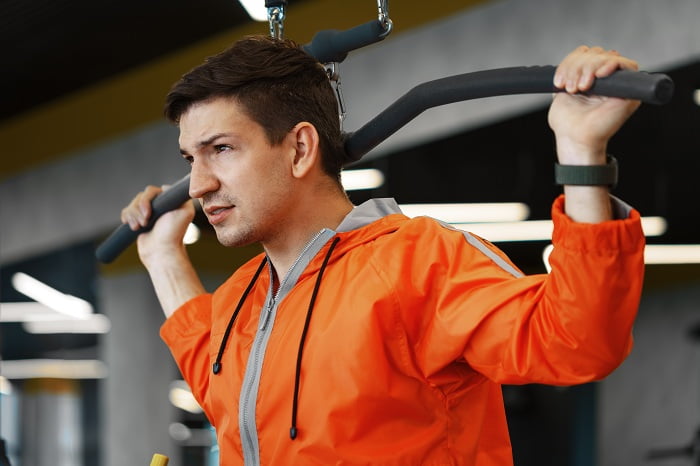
column 277, row 84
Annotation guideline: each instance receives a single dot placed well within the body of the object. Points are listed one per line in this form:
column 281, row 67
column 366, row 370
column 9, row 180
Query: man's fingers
column 578, row 70
column 614, row 63
column 137, row 213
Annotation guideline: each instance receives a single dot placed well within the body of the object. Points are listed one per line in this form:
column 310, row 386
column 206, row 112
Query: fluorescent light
column 696, row 96
column 256, row 9
column 190, row 437
column 39, row 318
column 54, row 368
column 43, row 293
column 369, row 178
column 654, row 226
column 93, row 324
column 181, row 396
column 27, row 312
column 179, row 432
column 541, row 230
column 653, row 254
column 531, row 230
column 5, row 386
column 192, row 234
column 470, row 213
column 545, row 256
column 672, row 254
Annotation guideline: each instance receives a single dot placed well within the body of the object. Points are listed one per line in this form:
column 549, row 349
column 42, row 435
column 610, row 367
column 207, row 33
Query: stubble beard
column 232, row 237
column 238, row 233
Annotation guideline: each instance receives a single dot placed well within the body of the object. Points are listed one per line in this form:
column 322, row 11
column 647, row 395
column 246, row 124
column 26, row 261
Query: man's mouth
column 217, row 214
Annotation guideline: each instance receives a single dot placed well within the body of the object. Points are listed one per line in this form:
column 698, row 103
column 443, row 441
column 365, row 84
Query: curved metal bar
column 647, row 87
column 650, row 88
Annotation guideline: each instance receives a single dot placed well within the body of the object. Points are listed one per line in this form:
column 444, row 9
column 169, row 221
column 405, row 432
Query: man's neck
column 285, row 248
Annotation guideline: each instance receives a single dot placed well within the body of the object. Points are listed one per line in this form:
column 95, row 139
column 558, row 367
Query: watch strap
column 587, row 175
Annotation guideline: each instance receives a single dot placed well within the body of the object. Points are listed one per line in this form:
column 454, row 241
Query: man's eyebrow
column 205, row 142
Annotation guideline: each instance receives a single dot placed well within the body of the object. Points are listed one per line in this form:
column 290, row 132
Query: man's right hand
column 165, row 238
column 162, row 252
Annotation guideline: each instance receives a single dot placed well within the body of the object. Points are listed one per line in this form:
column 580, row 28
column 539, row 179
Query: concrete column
column 136, row 412
column 10, row 419
column 652, row 401
column 51, row 427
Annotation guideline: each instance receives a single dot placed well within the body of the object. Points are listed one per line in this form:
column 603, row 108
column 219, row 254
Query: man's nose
column 202, row 180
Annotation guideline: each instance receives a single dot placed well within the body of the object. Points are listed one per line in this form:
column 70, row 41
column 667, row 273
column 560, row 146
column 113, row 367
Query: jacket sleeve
column 187, row 334
column 568, row 327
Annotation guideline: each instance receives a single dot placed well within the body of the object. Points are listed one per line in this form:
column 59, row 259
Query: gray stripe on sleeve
column 474, row 241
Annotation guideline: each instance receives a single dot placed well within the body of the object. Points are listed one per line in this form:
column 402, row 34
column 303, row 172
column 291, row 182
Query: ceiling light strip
column 470, row 212
column 541, row 230
column 54, row 368
column 181, row 397
column 44, row 294
column 255, row 9
column 369, row 178
column 27, row 312
column 672, row 254
column 657, row 254
column 95, row 324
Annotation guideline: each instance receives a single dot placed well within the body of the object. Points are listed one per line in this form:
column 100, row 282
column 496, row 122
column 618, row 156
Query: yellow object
column 159, row 460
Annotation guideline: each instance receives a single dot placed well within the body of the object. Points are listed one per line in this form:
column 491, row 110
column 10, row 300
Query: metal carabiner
column 383, row 7
column 276, row 15
column 333, row 73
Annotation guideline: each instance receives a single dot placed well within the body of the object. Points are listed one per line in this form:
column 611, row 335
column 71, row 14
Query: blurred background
column 85, row 379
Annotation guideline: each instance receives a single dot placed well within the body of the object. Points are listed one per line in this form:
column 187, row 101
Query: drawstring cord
column 293, row 430
column 216, row 368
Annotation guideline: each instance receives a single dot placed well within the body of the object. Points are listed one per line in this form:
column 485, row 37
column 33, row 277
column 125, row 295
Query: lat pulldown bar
column 333, row 46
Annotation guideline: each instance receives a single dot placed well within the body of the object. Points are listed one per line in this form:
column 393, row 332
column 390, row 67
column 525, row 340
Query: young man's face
column 242, row 182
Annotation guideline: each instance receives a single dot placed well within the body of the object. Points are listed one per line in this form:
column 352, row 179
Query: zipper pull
column 266, row 316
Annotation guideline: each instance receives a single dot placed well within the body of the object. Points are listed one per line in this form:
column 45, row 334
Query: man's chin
column 232, row 240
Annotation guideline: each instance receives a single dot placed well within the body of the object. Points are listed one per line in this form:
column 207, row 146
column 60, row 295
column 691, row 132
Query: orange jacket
column 414, row 327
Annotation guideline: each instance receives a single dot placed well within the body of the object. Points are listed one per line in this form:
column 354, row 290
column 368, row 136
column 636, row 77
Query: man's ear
column 307, row 153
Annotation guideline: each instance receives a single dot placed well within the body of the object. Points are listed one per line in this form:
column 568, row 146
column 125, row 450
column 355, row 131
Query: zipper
column 246, row 419
column 253, row 370
column 273, row 301
column 268, row 313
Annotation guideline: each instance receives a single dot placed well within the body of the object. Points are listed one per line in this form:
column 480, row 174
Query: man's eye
column 189, row 160
column 222, row 147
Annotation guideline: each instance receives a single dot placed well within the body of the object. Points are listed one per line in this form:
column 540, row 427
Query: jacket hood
column 365, row 223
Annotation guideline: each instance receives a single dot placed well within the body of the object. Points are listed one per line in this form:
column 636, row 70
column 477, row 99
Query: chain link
column 275, row 16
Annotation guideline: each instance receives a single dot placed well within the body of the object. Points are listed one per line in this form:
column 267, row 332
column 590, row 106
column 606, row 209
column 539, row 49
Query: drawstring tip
column 216, row 368
column 293, row 433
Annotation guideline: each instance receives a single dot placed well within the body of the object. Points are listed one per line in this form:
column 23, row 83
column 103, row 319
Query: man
column 361, row 336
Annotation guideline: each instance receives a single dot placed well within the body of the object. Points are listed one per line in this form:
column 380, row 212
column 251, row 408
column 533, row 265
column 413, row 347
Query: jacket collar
column 368, row 212
column 366, row 222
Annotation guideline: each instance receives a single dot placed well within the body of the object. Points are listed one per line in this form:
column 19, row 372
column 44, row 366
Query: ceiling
column 60, row 46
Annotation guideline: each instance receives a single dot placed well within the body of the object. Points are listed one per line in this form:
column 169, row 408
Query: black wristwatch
column 587, row 175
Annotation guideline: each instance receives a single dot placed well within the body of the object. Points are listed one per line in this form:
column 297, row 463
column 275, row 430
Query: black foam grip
column 647, row 87
column 123, row 235
column 333, row 46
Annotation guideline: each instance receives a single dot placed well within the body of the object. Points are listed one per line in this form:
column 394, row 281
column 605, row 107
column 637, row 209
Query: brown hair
column 277, row 83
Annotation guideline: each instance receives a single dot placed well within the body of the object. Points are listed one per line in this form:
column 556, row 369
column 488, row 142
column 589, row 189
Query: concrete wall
column 653, row 400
